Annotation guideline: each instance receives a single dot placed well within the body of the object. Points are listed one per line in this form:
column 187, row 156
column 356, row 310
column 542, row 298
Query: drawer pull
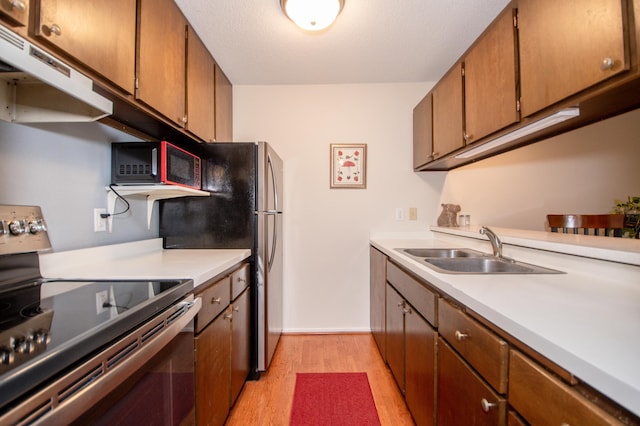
column 241, row 280
column 460, row 335
column 407, row 310
column 607, row 64
column 236, row 309
column 228, row 316
column 18, row 4
column 486, row 405
column 216, row 300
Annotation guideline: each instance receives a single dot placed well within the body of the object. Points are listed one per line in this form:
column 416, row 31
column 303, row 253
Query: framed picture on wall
column 348, row 165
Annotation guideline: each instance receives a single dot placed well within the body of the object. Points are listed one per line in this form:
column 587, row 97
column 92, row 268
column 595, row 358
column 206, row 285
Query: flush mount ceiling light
column 312, row 15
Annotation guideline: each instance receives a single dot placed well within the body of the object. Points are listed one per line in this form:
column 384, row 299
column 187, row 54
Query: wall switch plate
column 99, row 223
column 399, row 214
column 413, row 213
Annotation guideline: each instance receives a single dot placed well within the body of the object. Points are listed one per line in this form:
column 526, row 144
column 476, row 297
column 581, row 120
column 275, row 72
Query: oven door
column 145, row 378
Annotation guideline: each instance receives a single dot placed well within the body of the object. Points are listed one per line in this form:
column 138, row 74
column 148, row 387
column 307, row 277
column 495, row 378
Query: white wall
column 64, row 169
column 326, row 255
column 326, row 230
column 583, row 171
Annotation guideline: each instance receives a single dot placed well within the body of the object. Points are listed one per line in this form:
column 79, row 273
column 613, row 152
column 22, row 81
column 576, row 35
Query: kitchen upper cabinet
column 378, row 279
column 224, row 106
column 448, row 113
column 161, row 54
column 423, row 131
column 490, row 80
column 15, row 12
column 568, row 46
column 200, row 89
column 100, row 34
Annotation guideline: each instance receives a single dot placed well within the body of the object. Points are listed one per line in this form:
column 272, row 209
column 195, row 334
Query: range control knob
column 6, row 356
column 36, row 226
column 41, row 337
column 17, row 227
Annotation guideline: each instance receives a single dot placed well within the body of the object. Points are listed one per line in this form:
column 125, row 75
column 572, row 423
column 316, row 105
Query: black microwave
column 144, row 163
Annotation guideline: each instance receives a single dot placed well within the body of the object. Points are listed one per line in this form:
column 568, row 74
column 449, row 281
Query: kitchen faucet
column 496, row 244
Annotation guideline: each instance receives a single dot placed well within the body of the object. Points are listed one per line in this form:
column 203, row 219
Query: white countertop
column 586, row 321
column 140, row 260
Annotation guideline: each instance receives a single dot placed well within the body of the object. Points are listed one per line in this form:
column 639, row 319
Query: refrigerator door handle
column 275, row 184
column 274, row 239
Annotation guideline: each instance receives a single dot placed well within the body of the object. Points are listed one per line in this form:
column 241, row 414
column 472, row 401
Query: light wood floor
column 268, row 401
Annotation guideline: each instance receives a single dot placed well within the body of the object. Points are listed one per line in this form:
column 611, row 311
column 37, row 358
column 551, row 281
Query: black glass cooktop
column 47, row 326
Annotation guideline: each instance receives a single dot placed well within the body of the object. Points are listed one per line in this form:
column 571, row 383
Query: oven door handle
column 75, row 393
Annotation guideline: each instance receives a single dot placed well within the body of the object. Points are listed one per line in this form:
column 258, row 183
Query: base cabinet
column 378, row 277
column 222, row 346
column 454, row 367
column 463, row 397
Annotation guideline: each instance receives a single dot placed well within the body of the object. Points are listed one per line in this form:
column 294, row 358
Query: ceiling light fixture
column 312, row 15
column 558, row 117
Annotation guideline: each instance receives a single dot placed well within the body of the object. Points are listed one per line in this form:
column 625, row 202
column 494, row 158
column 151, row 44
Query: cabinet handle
column 467, row 137
column 236, row 309
column 401, row 304
column 486, row 405
column 407, row 310
column 434, row 154
column 54, row 29
column 460, row 336
column 228, row 316
column 607, row 64
column 17, row 4
column 183, row 120
column 216, row 300
column 241, row 280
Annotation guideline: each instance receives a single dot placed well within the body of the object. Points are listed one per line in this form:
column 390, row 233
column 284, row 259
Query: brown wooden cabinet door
column 420, row 365
column 240, row 343
column 99, row 33
column 213, row 371
column 15, row 12
column 377, row 276
column 463, row 397
column 423, row 132
column 395, row 335
column 563, row 45
column 541, row 398
column 161, row 58
column 224, row 106
column 490, row 80
column 200, row 89
column 448, row 113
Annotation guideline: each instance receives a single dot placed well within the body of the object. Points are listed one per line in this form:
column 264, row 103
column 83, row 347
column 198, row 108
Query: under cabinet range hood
column 35, row 87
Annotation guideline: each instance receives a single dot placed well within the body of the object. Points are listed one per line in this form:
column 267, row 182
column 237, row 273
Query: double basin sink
column 468, row 261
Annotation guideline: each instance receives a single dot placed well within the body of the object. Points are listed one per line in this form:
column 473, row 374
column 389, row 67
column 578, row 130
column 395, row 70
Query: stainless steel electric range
column 99, row 352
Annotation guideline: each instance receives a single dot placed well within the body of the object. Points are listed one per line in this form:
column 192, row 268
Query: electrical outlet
column 99, row 223
column 413, row 213
column 399, row 214
column 102, row 297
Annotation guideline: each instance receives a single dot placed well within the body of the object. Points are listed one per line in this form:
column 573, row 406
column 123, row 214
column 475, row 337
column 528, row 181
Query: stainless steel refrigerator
column 244, row 210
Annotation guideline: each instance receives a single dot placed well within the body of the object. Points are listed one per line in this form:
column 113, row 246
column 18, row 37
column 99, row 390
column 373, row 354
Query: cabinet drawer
column 485, row 351
column 421, row 298
column 239, row 281
column 542, row 399
column 463, row 397
column 214, row 299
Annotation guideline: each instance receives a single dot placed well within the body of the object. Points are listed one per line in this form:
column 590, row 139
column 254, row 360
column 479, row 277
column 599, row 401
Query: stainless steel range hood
column 36, row 87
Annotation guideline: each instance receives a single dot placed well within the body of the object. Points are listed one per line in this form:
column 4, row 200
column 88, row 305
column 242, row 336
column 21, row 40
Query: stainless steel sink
column 485, row 265
column 441, row 252
column 468, row 261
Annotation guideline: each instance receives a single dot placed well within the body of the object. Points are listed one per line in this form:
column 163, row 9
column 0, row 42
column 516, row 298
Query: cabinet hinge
column 515, row 19
column 136, row 83
column 462, row 70
column 518, row 105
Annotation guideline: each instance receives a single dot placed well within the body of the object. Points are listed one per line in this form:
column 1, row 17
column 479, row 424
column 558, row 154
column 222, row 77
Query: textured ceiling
column 372, row 41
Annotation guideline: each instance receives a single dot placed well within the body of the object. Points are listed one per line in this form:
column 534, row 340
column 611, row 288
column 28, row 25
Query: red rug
column 333, row 399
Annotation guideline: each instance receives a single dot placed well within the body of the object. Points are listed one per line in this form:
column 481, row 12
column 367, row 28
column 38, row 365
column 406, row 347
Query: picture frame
column 348, row 165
